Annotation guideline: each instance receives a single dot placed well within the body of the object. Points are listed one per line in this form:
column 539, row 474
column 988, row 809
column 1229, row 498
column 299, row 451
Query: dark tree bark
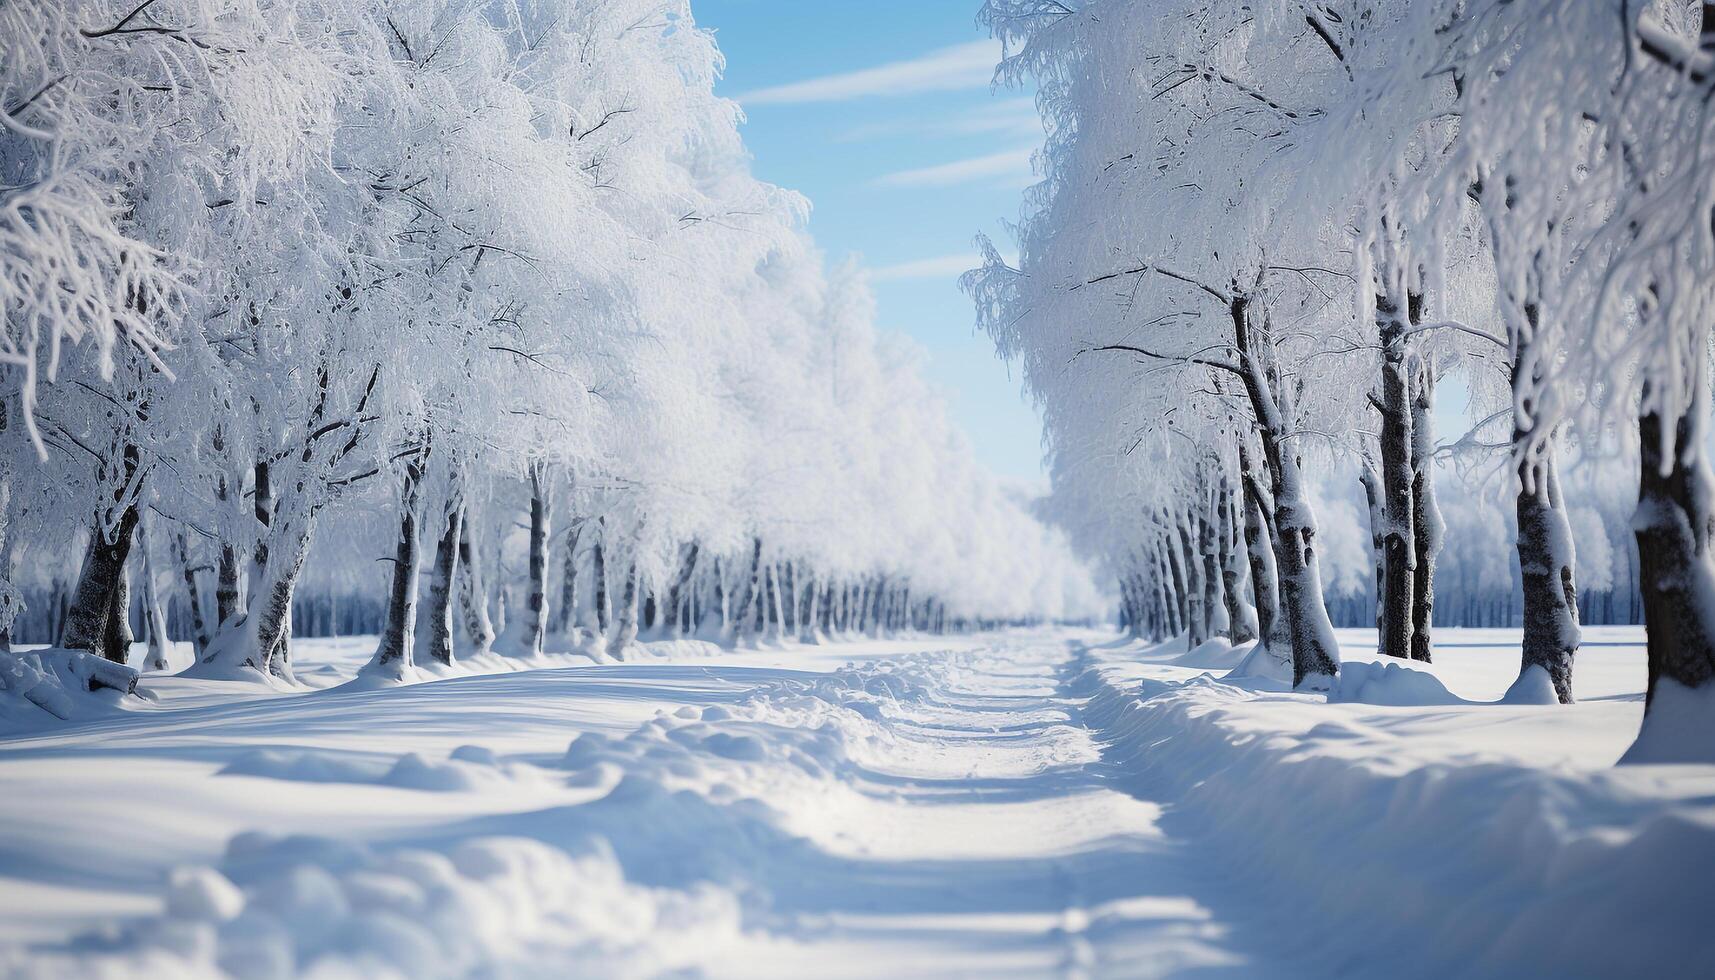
column 749, row 610
column 475, row 628
column 1214, row 609
column 1426, row 526
column 1241, row 618
column 226, row 604
column 1315, row 652
column 199, row 626
column 154, row 616
column 1371, row 478
column 91, row 623
column 598, row 576
column 1165, row 597
column 569, row 580
column 1398, row 540
column 393, row 656
column 435, row 639
column 678, row 592
column 536, row 612
column 1545, row 554
column 625, row 631
column 1197, row 617
column 1673, row 528
column 1265, row 586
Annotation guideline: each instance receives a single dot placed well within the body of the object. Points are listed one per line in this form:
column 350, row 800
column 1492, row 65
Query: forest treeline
column 1266, row 235
column 468, row 308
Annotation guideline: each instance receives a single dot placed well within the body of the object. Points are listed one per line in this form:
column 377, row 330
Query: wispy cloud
column 962, row 66
column 1013, row 165
column 939, row 267
column 1010, row 117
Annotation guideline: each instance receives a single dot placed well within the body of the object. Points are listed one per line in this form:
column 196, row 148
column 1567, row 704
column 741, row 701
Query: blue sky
column 881, row 112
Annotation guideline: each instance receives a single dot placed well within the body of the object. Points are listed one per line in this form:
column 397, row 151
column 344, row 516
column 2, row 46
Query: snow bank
column 1458, row 860
column 665, row 831
column 44, row 686
column 1391, row 683
column 468, row 768
column 491, row 906
column 1679, row 728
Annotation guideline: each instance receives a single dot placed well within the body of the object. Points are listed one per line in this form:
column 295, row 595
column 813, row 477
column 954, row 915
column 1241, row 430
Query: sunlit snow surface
column 1033, row 803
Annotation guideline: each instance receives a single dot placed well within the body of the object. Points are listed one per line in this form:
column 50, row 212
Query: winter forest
column 461, row 516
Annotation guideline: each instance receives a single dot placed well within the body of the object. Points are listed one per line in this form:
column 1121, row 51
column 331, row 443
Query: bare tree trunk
column 809, row 619
column 1546, row 555
column 598, row 576
column 435, row 638
column 722, row 600
column 271, row 604
column 1241, row 618
column 1398, row 540
column 1214, row 605
column 1265, row 582
column 679, row 592
column 475, row 629
column 96, row 621
column 199, row 626
column 1677, row 575
column 1131, row 605
column 1315, row 652
column 771, row 601
column 569, row 580
column 393, row 656
column 749, row 611
column 1546, row 561
column 536, row 613
column 1426, row 525
column 1194, row 591
column 625, row 633
column 226, row 604
column 275, row 648
column 1164, row 586
column 1371, row 478
column 154, row 617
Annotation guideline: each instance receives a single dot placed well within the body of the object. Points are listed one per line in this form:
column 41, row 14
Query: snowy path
column 995, row 839
column 1053, row 803
column 871, row 809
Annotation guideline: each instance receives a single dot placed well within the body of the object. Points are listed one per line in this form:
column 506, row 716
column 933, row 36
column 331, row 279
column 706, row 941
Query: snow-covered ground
column 1030, row 803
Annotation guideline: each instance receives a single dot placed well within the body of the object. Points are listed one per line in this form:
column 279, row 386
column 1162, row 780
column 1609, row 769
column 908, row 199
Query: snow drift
column 1477, row 865
column 45, row 685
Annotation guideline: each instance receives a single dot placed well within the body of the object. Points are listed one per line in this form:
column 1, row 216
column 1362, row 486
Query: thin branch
column 1219, row 294
column 1174, row 358
column 1456, row 325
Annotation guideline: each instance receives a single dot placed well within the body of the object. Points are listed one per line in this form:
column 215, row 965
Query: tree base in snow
column 61, row 684
column 1534, row 686
column 1264, row 663
column 1678, row 728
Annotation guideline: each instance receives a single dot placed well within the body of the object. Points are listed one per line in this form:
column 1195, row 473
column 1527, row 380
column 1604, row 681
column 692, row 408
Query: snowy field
column 1029, row 803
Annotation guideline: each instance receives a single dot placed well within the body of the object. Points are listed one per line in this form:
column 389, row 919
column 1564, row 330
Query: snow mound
column 490, row 906
column 1679, row 728
column 1390, row 683
column 1526, row 871
column 1215, row 653
column 1533, row 686
column 469, row 768
column 816, row 728
column 1264, row 664
column 42, row 687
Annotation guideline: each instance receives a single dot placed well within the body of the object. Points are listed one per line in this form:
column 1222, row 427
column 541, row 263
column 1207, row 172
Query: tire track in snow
column 1006, row 791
